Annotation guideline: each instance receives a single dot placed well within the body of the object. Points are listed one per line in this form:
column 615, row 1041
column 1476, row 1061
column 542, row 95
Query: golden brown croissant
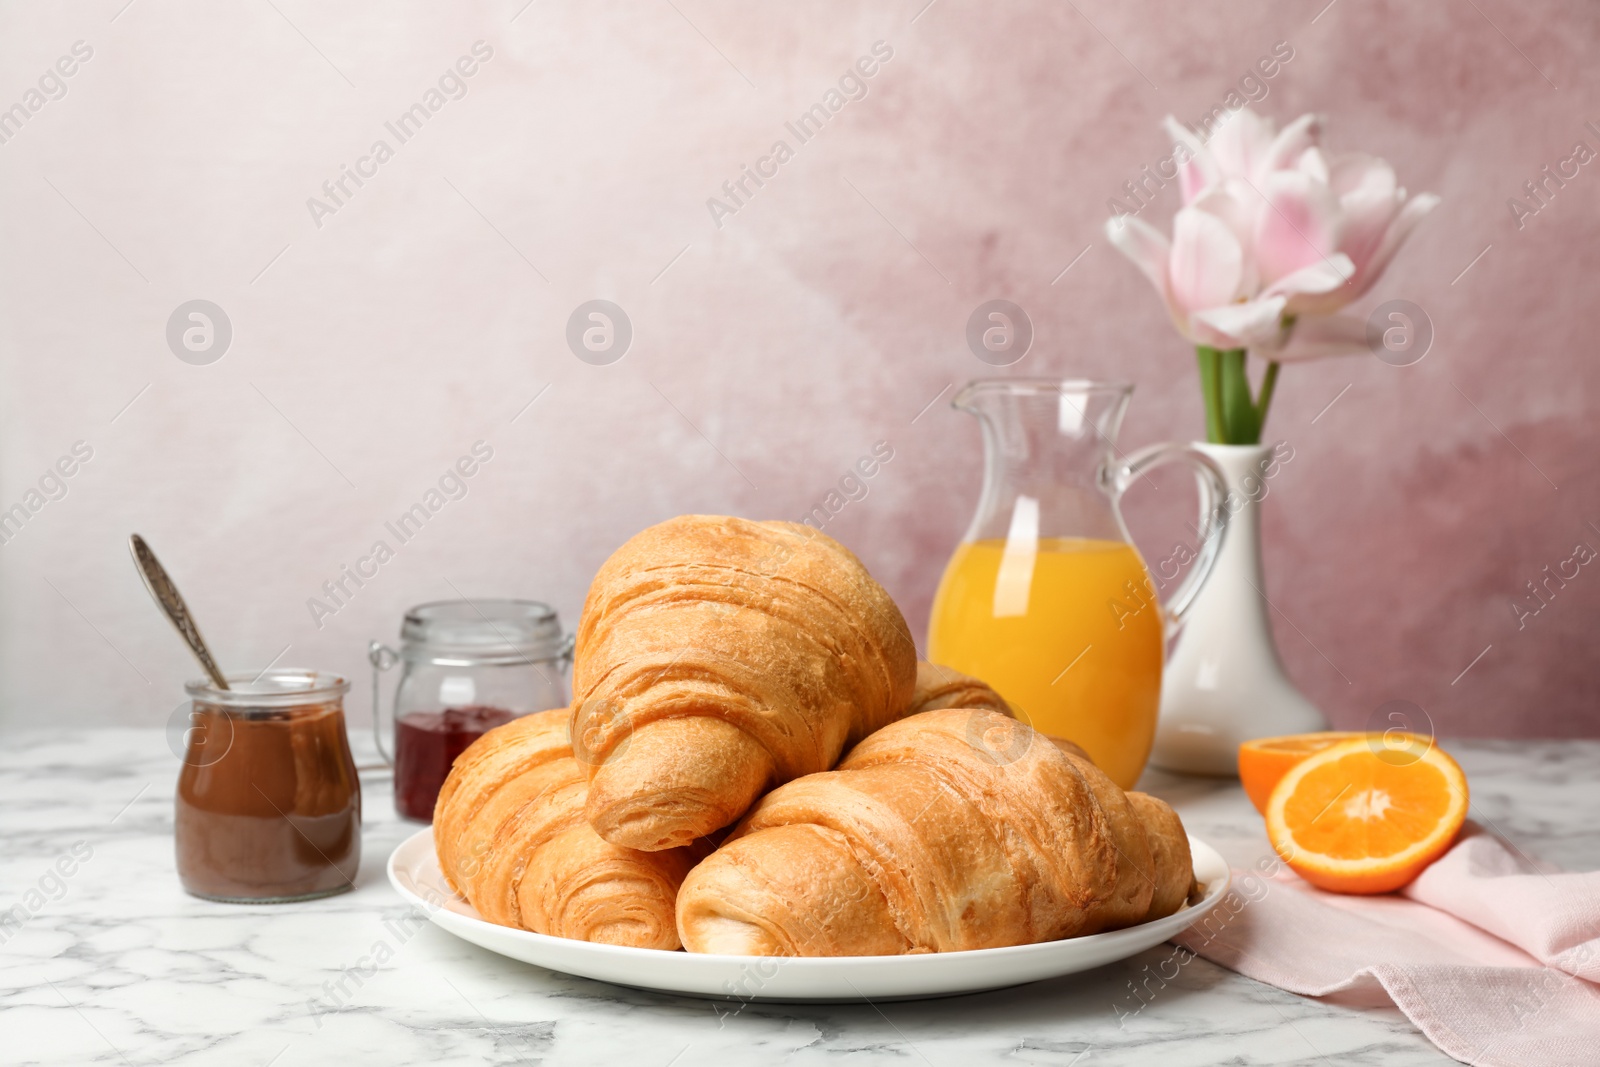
column 934, row 834
column 717, row 657
column 1133, row 888
column 940, row 687
column 511, row 838
column 1172, row 867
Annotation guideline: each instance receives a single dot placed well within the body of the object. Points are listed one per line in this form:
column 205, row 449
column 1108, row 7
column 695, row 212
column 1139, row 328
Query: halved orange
column 1264, row 761
column 1363, row 817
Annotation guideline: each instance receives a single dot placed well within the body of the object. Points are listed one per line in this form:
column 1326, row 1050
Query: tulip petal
column 1236, row 204
column 1207, row 261
column 1366, row 222
column 1242, row 143
column 1314, row 163
column 1302, row 288
column 1231, row 202
column 1298, row 225
column 1301, row 134
column 1199, row 332
column 1357, row 170
column 1142, row 243
column 1199, row 171
column 1404, row 222
column 1320, row 337
column 1248, row 325
column 1369, row 201
column 1150, row 251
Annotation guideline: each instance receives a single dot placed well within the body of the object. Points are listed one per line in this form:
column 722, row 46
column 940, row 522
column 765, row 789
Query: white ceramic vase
column 1224, row 682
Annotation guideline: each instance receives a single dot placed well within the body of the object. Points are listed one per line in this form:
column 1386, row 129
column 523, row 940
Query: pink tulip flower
column 1273, row 239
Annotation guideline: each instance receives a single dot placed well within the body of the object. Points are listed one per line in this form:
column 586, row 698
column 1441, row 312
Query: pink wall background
column 771, row 352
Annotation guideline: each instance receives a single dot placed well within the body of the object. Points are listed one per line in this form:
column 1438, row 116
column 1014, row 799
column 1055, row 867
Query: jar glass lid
column 490, row 629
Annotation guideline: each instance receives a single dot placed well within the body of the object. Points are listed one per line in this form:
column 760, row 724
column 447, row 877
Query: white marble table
column 117, row 965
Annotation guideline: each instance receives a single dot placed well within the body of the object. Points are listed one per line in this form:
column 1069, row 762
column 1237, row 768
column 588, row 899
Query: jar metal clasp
column 382, row 658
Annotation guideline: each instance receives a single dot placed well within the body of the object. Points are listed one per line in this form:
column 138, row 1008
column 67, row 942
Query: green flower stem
column 1211, row 390
column 1268, row 384
column 1238, row 407
column 1233, row 415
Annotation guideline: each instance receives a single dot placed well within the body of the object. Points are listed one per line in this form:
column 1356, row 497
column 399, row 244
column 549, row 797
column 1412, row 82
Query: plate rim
column 1179, row 920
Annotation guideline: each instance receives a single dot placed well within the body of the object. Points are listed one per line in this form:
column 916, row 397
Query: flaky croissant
column 717, row 657
column 951, row 829
column 511, row 838
column 940, row 687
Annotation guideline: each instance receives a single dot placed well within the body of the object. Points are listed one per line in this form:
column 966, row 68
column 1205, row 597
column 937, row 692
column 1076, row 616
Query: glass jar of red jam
column 467, row 666
column 268, row 805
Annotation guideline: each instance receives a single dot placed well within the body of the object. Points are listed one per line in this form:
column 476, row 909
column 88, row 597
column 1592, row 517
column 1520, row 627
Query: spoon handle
column 166, row 595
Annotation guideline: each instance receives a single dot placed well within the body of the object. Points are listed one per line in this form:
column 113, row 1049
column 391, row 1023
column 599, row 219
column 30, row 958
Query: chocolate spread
column 278, row 815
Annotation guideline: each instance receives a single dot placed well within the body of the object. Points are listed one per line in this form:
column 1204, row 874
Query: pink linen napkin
column 1494, row 959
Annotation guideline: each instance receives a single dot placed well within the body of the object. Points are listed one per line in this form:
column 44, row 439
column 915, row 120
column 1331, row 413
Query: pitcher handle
column 1213, row 488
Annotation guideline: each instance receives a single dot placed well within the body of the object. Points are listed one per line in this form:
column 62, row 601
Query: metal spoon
column 167, row 597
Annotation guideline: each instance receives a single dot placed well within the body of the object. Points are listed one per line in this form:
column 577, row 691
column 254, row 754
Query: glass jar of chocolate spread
column 467, row 667
column 268, row 805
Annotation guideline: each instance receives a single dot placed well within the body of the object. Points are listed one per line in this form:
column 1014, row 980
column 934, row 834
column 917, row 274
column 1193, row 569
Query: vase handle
column 1212, row 485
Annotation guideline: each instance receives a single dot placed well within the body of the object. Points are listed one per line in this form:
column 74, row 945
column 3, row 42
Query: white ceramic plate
column 414, row 872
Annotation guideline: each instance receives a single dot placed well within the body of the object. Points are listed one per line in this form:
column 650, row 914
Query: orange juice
column 1068, row 630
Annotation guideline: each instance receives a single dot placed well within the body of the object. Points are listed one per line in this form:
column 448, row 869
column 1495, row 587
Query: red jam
column 426, row 743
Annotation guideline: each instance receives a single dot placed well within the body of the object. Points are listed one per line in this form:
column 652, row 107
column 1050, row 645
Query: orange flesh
column 1303, row 744
column 1264, row 762
column 1360, row 808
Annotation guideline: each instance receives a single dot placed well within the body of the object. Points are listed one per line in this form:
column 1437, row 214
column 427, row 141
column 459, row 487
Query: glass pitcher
column 1046, row 598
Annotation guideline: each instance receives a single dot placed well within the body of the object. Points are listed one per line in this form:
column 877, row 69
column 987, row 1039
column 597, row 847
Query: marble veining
column 114, row 964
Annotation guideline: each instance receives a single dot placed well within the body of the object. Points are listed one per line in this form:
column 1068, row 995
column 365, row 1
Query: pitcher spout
column 1071, row 407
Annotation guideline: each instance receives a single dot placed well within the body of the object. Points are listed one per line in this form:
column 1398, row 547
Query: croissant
column 511, row 838
column 1133, row 887
column 717, row 657
column 1172, row 865
column 952, row 829
column 940, row 687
